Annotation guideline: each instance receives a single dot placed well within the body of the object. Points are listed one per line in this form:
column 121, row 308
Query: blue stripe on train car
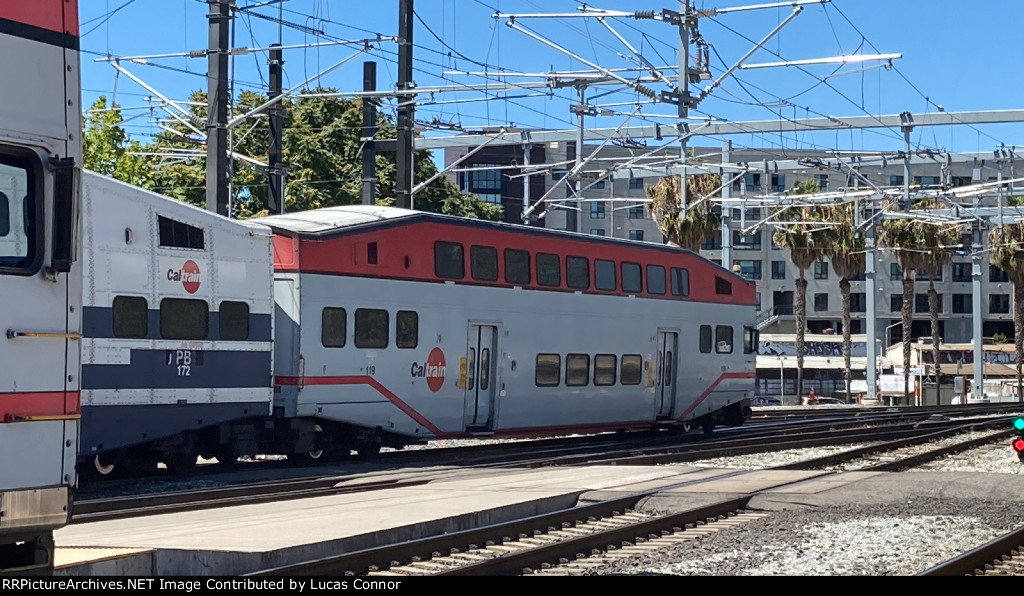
column 105, row 428
column 98, row 323
column 181, row 369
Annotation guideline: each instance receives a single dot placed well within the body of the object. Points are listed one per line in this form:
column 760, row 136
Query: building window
column 333, row 327
column 636, row 184
column 577, row 273
column 597, row 210
column 517, row 266
column 928, row 180
column 822, row 180
column 749, row 269
column 636, row 212
column 577, row 370
column 174, row 234
column 858, row 302
column 549, row 270
column 234, row 321
column 895, row 180
column 604, row 369
column 746, row 242
column 758, row 301
column 922, row 276
column 895, row 302
column 548, row 370
column 632, row 279
column 821, row 270
column 631, row 369
column 604, row 275
column 778, row 182
column 680, row 282
column 636, row 235
column 821, row 303
column 895, row 273
column 371, row 328
column 963, row 304
column 751, row 181
column 713, row 242
column 130, row 317
column 778, row 270
column 655, row 279
column 999, row 304
column 184, row 319
column 449, row 262
column 723, row 339
column 997, row 275
column 921, row 303
column 961, row 272
column 599, row 185
column 483, row 180
column 407, row 329
column 483, row 263
column 596, row 232
column 705, row 339
column 489, row 197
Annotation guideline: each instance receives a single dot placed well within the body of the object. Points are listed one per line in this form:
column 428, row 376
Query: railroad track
column 1002, row 556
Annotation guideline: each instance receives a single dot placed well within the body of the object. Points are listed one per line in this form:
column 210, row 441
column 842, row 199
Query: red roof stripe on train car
column 405, row 250
column 60, row 16
column 18, row 407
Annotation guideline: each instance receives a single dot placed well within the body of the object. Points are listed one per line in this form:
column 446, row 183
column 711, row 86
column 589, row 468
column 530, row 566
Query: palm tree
column 935, row 241
column 806, row 245
column 1007, row 243
column 700, row 220
column 846, row 251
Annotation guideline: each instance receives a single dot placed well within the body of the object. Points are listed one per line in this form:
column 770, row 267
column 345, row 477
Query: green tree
column 107, row 149
column 1007, row 244
column 846, row 251
column 686, row 229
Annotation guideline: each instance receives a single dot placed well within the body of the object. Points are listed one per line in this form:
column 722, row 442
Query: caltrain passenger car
column 40, row 277
column 178, row 325
column 395, row 326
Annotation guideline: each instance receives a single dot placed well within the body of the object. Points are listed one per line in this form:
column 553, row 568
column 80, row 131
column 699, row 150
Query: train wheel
column 181, row 463
column 315, row 454
column 101, row 468
column 687, row 427
column 708, row 425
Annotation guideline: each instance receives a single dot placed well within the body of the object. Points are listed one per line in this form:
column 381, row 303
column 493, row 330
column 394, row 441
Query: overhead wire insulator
column 644, row 14
column 646, row 91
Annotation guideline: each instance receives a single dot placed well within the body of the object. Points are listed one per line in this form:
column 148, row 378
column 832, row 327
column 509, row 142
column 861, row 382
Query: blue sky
column 954, row 54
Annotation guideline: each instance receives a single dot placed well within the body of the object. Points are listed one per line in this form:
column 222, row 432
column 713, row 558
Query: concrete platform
column 245, row 538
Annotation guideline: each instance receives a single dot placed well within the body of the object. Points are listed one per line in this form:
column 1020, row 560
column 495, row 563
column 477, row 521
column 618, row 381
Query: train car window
column 371, row 328
column 668, row 369
column 471, row 378
column 5, row 215
column 632, row 278
column 175, row 234
column 483, row 263
column 549, row 270
column 723, row 339
column 333, row 327
column 577, row 370
column 184, row 319
column 577, row 273
column 130, row 317
column 655, row 279
column 407, row 329
column 371, row 253
column 485, row 369
column 723, row 286
column 234, row 321
column 449, row 261
column 631, row 371
column 750, row 340
column 517, row 266
column 21, row 215
column 549, row 370
column 604, row 275
column 705, row 339
column 680, row 282
column 604, row 369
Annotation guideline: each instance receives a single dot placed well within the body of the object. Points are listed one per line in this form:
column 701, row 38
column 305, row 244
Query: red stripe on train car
column 60, row 16
column 363, row 380
column 43, row 405
column 711, row 389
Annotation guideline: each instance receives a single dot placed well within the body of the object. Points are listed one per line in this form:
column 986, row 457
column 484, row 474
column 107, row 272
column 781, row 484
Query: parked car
column 826, row 401
column 763, row 400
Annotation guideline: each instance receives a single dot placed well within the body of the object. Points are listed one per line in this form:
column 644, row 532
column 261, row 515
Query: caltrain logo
column 188, row 275
column 433, row 369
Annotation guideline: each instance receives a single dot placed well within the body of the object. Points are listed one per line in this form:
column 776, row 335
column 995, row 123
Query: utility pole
column 684, row 96
column 217, row 107
column 726, row 207
column 369, row 132
column 276, row 114
column 405, row 159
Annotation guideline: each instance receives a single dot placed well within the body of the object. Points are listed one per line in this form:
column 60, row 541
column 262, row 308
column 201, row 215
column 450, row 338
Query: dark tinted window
column 483, row 263
column 176, row 234
column 5, row 215
column 577, row 273
column 517, row 266
column 448, row 260
column 549, row 370
column 632, row 278
column 604, row 275
column 577, row 370
column 234, row 321
column 680, row 282
column 706, row 340
column 655, row 279
column 407, row 329
column 723, row 286
column 549, row 270
column 632, row 369
column 131, row 317
column 184, row 319
column 604, row 369
column 371, row 328
column 333, row 327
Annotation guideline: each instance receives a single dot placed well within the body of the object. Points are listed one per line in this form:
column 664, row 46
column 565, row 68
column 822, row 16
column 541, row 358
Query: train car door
column 668, row 352
column 481, row 369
